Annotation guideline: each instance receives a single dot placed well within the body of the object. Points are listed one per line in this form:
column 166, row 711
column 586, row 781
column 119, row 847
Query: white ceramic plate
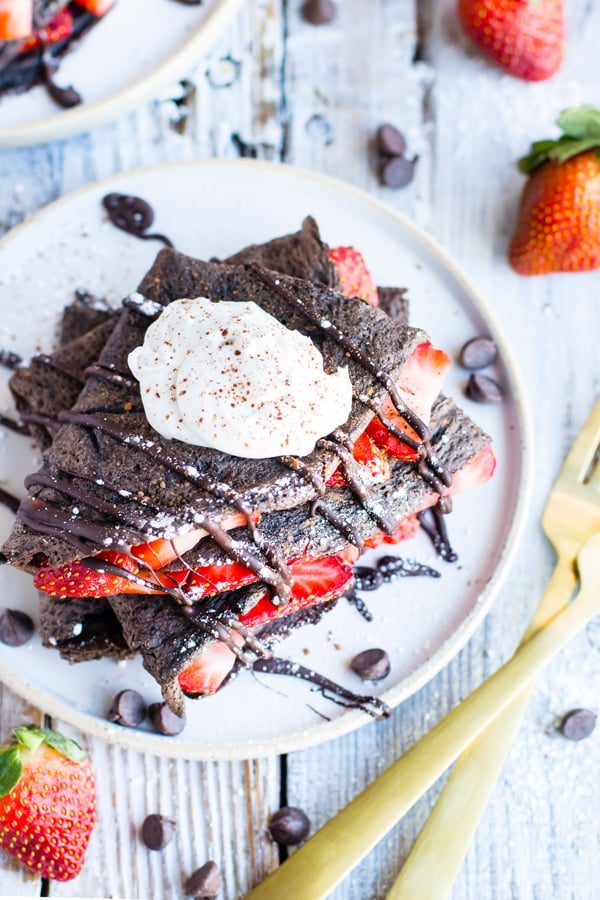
column 149, row 44
column 214, row 208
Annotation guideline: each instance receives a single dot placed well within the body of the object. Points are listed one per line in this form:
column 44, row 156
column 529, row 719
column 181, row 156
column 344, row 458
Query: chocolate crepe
column 82, row 629
column 108, row 445
column 170, row 638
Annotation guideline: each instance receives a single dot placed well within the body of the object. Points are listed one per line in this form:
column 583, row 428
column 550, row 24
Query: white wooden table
column 385, row 60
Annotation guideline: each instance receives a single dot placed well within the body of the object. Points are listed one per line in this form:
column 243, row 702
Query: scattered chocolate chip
column 478, row 353
column 16, row 628
column 128, row 709
column 389, row 141
column 578, row 724
column 158, row 831
column 482, row 389
column 205, row 882
column 289, row 826
column 164, row 720
column 397, row 172
column 319, row 12
column 367, row 579
column 371, row 665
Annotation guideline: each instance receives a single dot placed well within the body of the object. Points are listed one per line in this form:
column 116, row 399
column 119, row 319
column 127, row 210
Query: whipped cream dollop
column 229, row 376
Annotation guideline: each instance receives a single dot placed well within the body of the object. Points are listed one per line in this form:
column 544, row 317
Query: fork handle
column 438, row 853
column 315, row 870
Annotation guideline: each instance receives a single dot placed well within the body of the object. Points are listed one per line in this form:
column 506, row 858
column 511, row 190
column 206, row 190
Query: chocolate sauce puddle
column 328, row 688
column 132, row 215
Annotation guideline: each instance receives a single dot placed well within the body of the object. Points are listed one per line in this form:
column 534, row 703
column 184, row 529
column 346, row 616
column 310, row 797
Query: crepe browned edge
column 169, row 640
column 264, row 485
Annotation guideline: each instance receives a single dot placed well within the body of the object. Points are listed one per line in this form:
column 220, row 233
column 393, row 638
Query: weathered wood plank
column 532, row 842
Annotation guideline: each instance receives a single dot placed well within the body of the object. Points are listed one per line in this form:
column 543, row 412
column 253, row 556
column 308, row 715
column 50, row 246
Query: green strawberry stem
column 580, row 128
column 28, row 739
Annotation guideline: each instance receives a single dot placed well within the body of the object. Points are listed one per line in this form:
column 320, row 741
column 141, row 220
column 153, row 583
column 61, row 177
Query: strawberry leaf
column 11, row 770
column 580, row 122
column 63, row 745
column 31, row 736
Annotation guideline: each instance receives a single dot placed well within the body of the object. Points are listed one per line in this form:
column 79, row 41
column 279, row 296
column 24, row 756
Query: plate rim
column 161, row 745
column 82, row 118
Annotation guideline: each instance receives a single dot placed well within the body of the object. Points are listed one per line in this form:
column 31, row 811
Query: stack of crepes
column 194, row 558
column 28, row 27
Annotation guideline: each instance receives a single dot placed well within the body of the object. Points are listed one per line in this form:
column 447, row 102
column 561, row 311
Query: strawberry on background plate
column 558, row 223
column 47, row 802
column 525, row 37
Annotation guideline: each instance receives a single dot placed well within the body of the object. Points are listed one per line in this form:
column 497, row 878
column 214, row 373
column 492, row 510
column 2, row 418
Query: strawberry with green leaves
column 525, row 37
column 558, row 223
column 47, row 802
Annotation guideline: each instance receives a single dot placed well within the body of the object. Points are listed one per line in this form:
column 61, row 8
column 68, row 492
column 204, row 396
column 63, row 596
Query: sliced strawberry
column 354, row 276
column 207, row 581
column 16, row 19
column 208, row 671
column 367, row 454
column 406, row 529
column 161, row 552
column 59, row 29
column 419, row 386
column 313, row 581
column 73, row 579
column 96, row 7
column 477, row 471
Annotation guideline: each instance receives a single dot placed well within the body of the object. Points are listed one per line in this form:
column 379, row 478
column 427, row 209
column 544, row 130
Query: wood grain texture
column 314, row 97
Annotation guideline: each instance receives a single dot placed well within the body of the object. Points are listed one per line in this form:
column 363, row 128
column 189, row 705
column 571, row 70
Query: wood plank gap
column 284, row 117
column 283, row 799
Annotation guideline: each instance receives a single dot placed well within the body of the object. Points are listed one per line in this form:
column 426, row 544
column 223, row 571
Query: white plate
column 214, row 208
column 140, row 47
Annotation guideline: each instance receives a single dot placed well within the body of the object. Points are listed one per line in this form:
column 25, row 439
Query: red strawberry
column 97, row 7
column 313, row 581
column 420, row 384
column 558, row 224
column 47, row 802
column 367, row 454
column 208, row 671
column 74, row 579
column 59, row 29
column 16, row 19
column 160, row 552
column 406, row 529
column 525, row 37
column 354, row 276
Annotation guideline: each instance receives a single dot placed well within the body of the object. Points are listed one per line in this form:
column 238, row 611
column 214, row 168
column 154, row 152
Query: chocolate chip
column 389, row 141
column 319, row 12
column 158, row 831
column 371, row 665
column 478, row 353
column 397, row 172
column 164, row 720
column 16, row 628
column 289, row 825
column 205, row 881
column 128, row 709
column 367, row 579
column 578, row 724
column 482, row 389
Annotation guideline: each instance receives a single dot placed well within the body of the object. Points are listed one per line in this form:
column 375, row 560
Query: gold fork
column 572, row 516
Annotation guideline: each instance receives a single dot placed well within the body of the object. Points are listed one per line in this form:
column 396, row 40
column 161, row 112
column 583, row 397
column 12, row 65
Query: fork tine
column 582, row 453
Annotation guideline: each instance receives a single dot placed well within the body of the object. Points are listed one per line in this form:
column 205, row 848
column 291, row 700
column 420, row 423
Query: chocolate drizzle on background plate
column 330, row 689
column 133, row 215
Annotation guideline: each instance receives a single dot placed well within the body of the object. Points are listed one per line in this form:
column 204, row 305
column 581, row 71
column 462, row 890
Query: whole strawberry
column 558, row 224
column 525, row 37
column 47, row 802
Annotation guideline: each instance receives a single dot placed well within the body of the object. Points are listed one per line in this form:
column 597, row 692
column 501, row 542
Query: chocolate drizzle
column 53, row 363
column 9, row 500
column 434, row 525
column 328, row 688
column 356, row 353
column 133, row 215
